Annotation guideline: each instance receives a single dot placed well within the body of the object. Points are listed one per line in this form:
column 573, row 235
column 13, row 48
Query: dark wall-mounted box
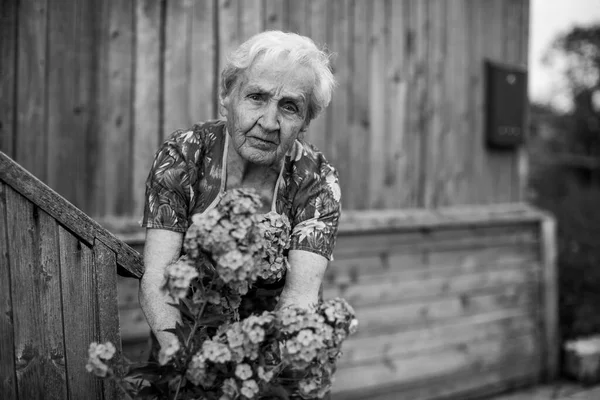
column 506, row 105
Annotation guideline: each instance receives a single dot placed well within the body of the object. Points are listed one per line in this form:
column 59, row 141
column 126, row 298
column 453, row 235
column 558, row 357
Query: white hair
column 299, row 50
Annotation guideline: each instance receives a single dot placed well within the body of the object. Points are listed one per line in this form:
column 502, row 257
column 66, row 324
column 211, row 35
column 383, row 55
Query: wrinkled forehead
column 279, row 76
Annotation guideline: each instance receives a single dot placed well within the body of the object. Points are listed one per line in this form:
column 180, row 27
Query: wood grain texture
column 8, row 74
column 228, row 36
column 78, row 278
column 427, row 339
column 68, row 215
column 319, row 31
column 204, row 75
column 178, row 26
column 399, row 149
column 338, row 148
column 406, row 124
column 8, row 380
column 276, row 14
column 27, row 283
column 117, row 127
column 105, row 269
column 298, row 18
column 147, row 96
column 465, row 384
column 358, row 106
column 54, row 345
column 32, row 142
column 394, row 317
column 445, row 362
column 377, row 125
column 393, row 288
column 68, row 97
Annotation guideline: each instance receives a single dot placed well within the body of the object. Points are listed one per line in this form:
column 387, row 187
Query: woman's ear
column 223, row 103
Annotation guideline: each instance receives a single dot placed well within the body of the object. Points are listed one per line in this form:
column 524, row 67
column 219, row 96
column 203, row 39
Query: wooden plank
column 550, row 298
column 95, row 154
column 117, row 128
column 358, row 140
column 420, row 126
column 377, row 98
column 439, row 156
column 276, row 15
column 338, row 149
column 418, row 218
column 65, row 128
column 376, row 243
column 471, row 356
column 55, row 383
column 227, row 39
column 8, row 382
column 475, row 172
column 395, row 317
column 31, row 150
column 250, row 19
column 105, row 268
column 147, row 97
column 68, row 215
column 26, row 287
column 297, row 16
column 204, row 75
column 85, row 110
column 177, row 27
column 8, row 74
column 457, row 103
column 318, row 27
column 78, row 278
column 467, row 384
column 423, row 265
column 394, row 289
column 400, row 148
column 503, row 324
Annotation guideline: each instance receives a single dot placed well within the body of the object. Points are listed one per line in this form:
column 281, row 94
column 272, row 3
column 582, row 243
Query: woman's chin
column 259, row 156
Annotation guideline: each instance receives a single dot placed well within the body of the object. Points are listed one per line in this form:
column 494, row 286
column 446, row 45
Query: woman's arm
column 162, row 248
column 303, row 279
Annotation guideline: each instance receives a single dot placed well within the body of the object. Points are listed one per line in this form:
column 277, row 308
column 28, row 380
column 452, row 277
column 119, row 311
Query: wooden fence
column 88, row 89
column 58, row 291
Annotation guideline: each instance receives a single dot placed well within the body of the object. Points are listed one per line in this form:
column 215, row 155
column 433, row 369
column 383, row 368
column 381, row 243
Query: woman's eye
column 255, row 97
column 290, row 108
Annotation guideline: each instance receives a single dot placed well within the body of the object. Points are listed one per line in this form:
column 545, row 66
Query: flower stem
column 191, row 335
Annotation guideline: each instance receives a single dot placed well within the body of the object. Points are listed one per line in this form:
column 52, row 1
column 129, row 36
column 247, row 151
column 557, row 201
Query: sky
column 548, row 18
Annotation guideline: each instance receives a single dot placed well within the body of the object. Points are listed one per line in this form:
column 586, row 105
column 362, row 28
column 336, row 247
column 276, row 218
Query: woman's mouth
column 261, row 143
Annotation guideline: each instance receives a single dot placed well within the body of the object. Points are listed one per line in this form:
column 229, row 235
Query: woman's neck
column 242, row 173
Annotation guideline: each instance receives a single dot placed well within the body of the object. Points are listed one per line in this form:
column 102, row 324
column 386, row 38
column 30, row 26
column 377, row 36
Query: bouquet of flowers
column 216, row 354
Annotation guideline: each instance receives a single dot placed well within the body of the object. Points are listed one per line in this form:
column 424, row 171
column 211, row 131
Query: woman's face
column 266, row 110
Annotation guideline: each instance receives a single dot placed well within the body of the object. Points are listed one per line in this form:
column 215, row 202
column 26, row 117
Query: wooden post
column 550, row 288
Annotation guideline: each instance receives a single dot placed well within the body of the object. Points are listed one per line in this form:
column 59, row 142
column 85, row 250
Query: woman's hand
column 303, row 280
column 162, row 248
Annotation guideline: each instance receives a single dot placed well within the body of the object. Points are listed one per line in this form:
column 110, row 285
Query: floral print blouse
column 188, row 174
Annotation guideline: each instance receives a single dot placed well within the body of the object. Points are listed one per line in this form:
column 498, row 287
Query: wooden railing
column 58, row 291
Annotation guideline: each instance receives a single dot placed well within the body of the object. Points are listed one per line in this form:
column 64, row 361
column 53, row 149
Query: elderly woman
column 271, row 89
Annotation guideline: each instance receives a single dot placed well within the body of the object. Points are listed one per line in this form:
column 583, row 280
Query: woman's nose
column 269, row 118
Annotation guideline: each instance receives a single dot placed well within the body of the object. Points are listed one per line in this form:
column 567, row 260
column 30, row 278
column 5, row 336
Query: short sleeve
column 168, row 188
column 317, row 212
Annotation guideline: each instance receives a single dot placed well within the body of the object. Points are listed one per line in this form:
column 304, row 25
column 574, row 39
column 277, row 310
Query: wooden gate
column 58, row 291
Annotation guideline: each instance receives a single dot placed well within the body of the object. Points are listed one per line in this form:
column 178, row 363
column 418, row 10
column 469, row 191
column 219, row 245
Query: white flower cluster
column 98, row 353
